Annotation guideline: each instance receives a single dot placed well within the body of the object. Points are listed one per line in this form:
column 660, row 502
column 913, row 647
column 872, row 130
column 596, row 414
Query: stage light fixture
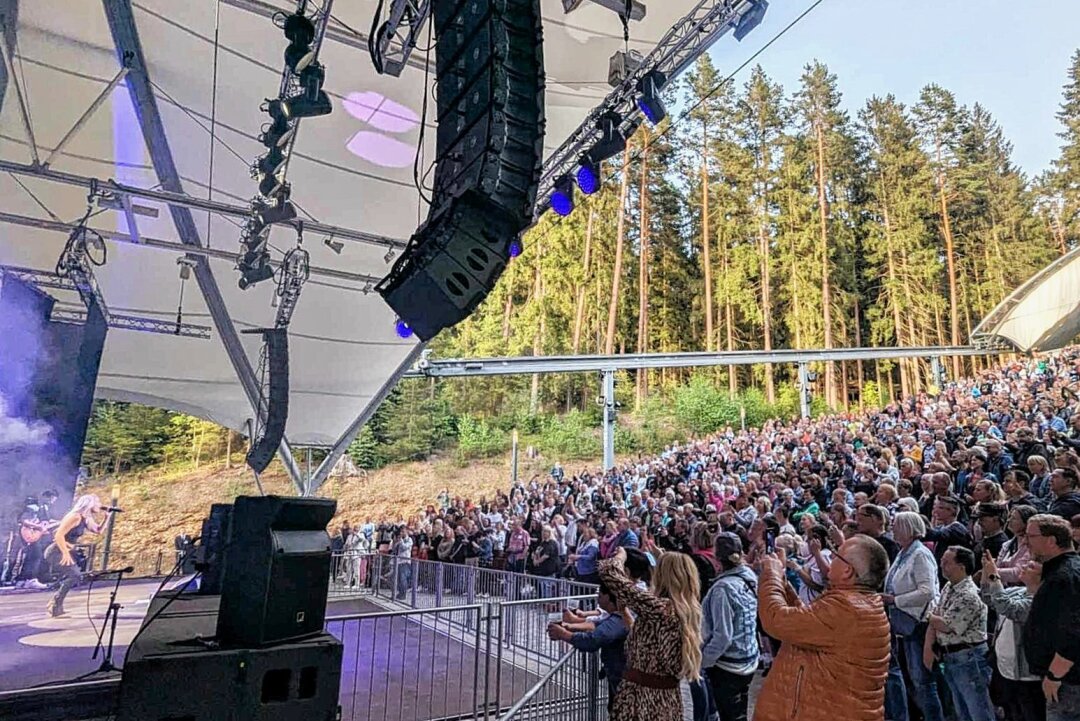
column 311, row 80
column 277, row 108
column 335, row 245
column 516, row 248
column 648, row 98
column 612, row 138
column 277, row 134
column 751, row 19
column 257, row 273
column 562, row 198
column 403, row 329
column 301, row 106
column 271, row 163
column 278, row 213
column 588, row 176
column 271, row 186
column 300, row 32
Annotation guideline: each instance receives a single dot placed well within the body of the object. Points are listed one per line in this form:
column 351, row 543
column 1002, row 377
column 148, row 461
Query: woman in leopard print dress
column 664, row 645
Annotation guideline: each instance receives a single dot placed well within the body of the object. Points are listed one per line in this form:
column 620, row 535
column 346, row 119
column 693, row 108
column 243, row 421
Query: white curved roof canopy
column 353, row 168
column 1040, row 315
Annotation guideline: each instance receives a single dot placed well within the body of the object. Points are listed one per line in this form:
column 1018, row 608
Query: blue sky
column 1010, row 56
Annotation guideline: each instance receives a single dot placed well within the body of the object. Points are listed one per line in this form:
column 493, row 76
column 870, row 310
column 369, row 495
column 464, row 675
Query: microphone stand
column 111, row 617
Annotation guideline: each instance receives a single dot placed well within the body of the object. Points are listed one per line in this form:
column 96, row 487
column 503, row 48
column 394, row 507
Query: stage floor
column 380, row 676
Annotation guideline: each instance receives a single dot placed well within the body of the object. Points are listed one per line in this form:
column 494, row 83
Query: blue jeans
column 1067, row 707
column 968, row 675
column 907, row 655
column 404, row 577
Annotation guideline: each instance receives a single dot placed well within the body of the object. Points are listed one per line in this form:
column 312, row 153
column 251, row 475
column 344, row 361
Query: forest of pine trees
column 771, row 217
column 768, row 218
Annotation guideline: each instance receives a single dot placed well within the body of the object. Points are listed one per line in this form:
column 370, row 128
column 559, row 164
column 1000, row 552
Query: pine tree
column 1065, row 178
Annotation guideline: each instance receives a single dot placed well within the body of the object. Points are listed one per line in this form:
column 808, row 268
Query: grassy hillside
column 160, row 502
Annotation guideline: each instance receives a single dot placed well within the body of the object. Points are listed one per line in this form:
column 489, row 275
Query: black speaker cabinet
column 170, row 675
column 277, row 570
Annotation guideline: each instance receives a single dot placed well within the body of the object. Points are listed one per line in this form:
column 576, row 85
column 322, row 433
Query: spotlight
column 515, row 247
column 562, row 198
column 277, row 108
column 278, row 213
column 403, row 329
column 256, row 273
column 301, row 106
column 277, row 134
column 612, row 139
column 648, row 99
column 300, row 32
column 270, row 186
column 271, row 163
column 751, row 19
column 311, row 80
column 588, row 176
column 335, row 245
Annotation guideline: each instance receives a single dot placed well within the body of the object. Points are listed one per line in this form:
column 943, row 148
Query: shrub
column 479, row 439
column 702, row 408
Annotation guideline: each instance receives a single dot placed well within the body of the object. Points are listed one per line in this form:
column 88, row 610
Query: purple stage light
column 403, row 329
column 515, row 247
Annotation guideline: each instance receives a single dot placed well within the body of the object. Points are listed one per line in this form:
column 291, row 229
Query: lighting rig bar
column 45, row 279
column 391, row 49
column 300, row 95
column 681, row 45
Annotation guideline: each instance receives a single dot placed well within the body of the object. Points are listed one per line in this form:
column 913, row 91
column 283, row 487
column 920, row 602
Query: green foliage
column 874, row 396
column 702, row 408
column 479, row 439
column 365, row 451
column 570, row 437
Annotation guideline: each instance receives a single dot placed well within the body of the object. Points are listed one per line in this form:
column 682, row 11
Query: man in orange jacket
column 835, row 654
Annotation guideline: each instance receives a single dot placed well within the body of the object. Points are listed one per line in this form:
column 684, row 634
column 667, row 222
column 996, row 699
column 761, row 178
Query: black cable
column 161, row 586
column 423, row 125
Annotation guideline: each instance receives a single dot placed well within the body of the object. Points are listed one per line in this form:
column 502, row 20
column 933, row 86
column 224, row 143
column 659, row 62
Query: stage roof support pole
column 350, row 434
column 7, row 50
column 129, row 51
column 607, row 384
column 9, row 21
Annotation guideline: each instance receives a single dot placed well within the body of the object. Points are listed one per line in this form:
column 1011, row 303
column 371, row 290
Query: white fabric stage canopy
column 1042, row 314
column 212, row 63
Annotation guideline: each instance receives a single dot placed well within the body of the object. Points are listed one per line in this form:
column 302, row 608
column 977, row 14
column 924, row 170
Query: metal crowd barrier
column 488, row 660
column 430, row 584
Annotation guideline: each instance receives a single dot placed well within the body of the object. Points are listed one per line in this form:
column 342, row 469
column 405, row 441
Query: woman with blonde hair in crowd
column 664, row 645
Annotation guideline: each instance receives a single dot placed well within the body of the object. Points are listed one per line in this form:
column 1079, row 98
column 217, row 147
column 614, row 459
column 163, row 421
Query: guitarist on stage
column 35, row 525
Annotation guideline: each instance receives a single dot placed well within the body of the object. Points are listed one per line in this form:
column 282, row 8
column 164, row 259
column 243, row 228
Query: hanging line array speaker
column 277, row 401
column 489, row 153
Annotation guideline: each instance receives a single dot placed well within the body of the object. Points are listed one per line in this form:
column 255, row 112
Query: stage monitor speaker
column 277, row 406
column 489, row 153
column 277, row 570
column 209, row 559
column 171, row 674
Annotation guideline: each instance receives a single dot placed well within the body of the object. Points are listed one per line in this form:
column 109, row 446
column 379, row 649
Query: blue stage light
column 516, row 247
column 562, row 198
column 403, row 329
column 588, row 177
column 648, row 99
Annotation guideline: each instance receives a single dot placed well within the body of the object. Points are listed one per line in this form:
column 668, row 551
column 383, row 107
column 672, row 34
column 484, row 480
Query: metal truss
column 463, row 368
column 680, row 46
column 177, row 199
column 392, row 48
column 120, row 15
column 45, row 279
column 169, row 245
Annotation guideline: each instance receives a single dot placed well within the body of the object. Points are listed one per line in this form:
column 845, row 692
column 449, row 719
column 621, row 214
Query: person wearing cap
column 729, row 651
column 991, row 520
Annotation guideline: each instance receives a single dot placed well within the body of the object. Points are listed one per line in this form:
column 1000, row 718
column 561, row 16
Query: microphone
column 112, row 509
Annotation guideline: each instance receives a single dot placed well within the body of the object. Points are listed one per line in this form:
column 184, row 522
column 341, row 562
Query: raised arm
column 626, row 593
column 788, row 619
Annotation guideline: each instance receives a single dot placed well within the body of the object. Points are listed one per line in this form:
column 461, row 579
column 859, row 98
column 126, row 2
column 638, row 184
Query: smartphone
column 770, row 541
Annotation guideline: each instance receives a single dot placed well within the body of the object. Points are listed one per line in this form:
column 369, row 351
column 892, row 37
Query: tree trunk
column 894, row 300
column 858, row 344
column 826, row 289
column 706, row 256
column 579, row 302
column 620, row 233
column 766, row 306
column 228, row 449
column 729, row 326
column 643, row 276
column 538, row 336
column 950, row 264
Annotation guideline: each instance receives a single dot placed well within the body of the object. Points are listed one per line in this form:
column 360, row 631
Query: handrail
column 538, row 686
column 406, row 612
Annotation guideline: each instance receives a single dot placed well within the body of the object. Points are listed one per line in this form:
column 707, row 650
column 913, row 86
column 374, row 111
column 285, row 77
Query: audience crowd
column 911, row 562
